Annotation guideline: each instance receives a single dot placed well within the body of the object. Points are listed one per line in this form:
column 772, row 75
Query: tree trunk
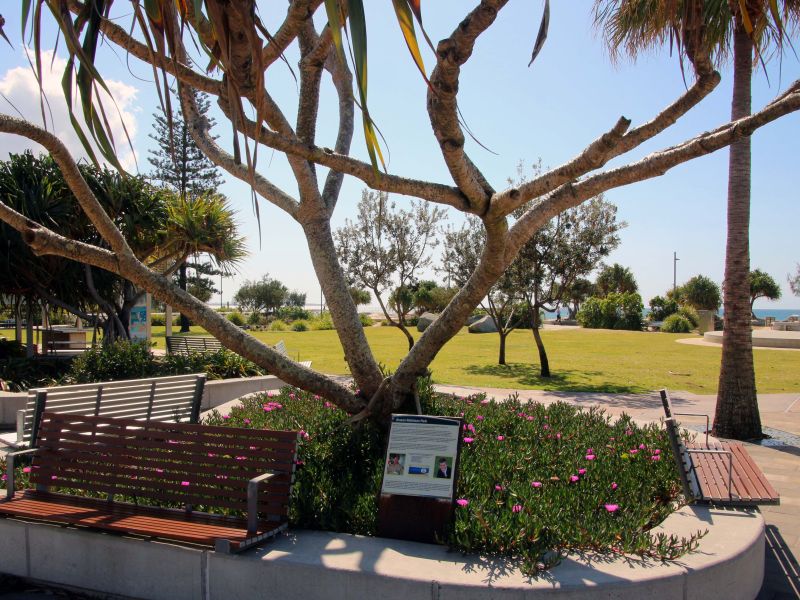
column 185, row 323
column 544, row 363
column 407, row 333
column 737, row 413
column 501, row 360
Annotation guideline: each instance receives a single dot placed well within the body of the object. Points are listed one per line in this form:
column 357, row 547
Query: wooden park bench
column 147, row 478
column 281, row 347
column 720, row 473
column 187, row 344
column 175, row 398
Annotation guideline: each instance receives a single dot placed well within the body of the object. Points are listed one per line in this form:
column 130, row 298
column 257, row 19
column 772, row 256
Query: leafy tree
column 661, row 308
column 762, row 285
column 794, row 281
column 569, row 246
column 386, row 246
column 360, row 296
column 700, row 292
column 615, row 279
column 179, row 165
column 614, row 311
column 243, row 55
column 576, row 294
column 746, row 32
column 430, row 297
column 295, row 299
column 264, row 296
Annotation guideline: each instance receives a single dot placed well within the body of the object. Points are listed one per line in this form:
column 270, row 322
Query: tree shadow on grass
column 563, row 380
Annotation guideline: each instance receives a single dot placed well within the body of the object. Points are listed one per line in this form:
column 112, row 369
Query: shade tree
column 243, row 53
column 615, row 279
column 762, row 285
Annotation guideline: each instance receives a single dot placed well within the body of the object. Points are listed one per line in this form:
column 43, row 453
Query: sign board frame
column 417, row 500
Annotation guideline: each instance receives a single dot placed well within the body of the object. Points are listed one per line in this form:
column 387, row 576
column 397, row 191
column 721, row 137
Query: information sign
column 421, row 456
column 140, row 319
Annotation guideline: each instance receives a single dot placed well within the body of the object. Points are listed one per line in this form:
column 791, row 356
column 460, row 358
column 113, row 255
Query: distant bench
column 179, row 344
column 247, row 472
column 187, row 344
column 175, row 398
column 723, row 474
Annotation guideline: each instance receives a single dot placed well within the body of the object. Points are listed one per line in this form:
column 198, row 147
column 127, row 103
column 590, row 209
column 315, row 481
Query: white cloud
column 20, row 88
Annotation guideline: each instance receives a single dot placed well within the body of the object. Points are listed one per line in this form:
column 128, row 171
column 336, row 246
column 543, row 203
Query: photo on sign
column 396, row 464
column 444, row 467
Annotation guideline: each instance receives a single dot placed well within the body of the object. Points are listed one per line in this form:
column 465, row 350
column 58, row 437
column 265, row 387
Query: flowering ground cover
column 535, row 482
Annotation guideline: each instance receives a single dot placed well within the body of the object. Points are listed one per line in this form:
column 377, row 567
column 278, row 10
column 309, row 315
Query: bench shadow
column 560, row 380
column 781, row 571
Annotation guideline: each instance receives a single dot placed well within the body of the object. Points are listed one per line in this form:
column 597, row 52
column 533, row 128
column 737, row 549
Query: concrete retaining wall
column 308, row 565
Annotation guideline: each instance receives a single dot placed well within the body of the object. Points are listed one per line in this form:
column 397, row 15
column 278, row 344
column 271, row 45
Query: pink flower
column 468, row 440
column 633, row 451
column 574, row 478
column 611, row 439
column 485, row 401
column 479, row 418
column 500, row 438
column 247, row 421
column 614, row 485
column 590, row 451
column 590, row 457
column 629, row 432
column 184, row 483
column 159, row 470
column 530, row 418
column 222, row 476
column 226, row 417
column 656, row 451
column 53, row 477
column 299, row 463
column 536, row 484
column 211, row 455
column 642, row 446
column 462, row 501
column 316, row 397
column 291, row 396
column 26, row 469
column 329, row 405
column 516, row 508
column 498, row 488
column 558, row 435
column 655, row 457
column 4, row 477
column 581, row 471
column 546, row 427
column 612, row 508
column 303, row 434
column 241, row 458
column 272, row 394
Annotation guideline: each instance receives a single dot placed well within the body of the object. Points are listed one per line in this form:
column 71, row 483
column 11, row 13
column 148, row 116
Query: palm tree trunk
column 737, row 413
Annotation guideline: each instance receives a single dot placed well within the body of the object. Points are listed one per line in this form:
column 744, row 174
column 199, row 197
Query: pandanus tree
column 241, row 52
column 746, row 32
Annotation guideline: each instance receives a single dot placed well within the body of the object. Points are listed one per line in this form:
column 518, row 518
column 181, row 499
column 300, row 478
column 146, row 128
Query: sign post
column 140, row 319
column 416, row 501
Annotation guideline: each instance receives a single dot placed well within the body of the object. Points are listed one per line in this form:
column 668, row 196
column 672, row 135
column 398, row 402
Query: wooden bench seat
column 720, row 472
column 152, row 479
column 187, row 344
column 174, row 398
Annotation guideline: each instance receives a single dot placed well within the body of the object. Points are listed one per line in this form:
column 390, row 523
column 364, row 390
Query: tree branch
column 451, row 53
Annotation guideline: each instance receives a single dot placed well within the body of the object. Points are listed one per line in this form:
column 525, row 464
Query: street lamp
column 675, row 260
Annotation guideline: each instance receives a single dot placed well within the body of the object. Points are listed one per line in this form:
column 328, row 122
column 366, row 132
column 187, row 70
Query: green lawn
column 580, row 360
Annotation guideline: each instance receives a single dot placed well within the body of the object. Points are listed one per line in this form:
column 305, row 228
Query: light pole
column 675, row 260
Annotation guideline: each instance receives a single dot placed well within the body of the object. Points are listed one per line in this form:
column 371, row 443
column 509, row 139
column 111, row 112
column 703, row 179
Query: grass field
column 580, row 359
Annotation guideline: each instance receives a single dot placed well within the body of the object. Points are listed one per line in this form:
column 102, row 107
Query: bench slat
column 757, row 484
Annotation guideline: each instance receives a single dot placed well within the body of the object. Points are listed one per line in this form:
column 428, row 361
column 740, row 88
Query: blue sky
column 572, row 94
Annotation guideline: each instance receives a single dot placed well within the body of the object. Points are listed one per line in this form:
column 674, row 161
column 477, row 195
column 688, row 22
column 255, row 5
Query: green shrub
column 254, row 319
column 614, row 311
column 300, row 325
column 366, row 320
column 222, row 364
column 119, row 360
column 323, row 322
column 661, row 308
column 236, row 318
column 292, row 313
column 624, row 482
column 690, row 314
column 11, row 349
column 278, row 325
column 19, row 373
column 676, row 324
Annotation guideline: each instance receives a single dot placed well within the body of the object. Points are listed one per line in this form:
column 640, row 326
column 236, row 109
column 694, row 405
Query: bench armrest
column 727, row 453
column 10, row 469
column 20, row 425
column 252, row 501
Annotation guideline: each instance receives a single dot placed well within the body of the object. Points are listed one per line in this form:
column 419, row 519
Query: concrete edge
column 310, row 564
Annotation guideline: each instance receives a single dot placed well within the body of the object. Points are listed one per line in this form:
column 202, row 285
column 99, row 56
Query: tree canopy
column 175, row 38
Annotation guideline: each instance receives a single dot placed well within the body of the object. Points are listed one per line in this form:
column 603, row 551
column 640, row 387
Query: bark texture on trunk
column 544, row 362
column 501, row 359
column 182, row 283
column 737, row 413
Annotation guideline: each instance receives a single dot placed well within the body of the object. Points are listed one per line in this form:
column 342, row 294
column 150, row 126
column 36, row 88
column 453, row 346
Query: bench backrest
column 178, row 464
column 281, row 347
column 682, row 459
column 181, row 344
column 667, row 403
column 174, row 398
